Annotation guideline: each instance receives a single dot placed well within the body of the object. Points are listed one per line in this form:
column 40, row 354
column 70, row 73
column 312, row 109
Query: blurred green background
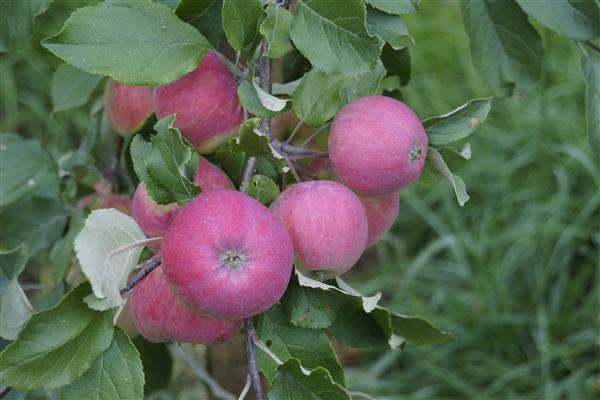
column 514, row 274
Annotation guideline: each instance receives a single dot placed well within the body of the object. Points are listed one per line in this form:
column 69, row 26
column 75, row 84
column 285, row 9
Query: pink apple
column 160, row 317
column 205, row 102
column 154, row 218
column 128, row 107
column 327, row 223
column 381, row 214
column 377, row 145
column 227, row 256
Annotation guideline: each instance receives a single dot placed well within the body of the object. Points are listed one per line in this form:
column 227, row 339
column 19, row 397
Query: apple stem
column 145, row 269
column 251, row 354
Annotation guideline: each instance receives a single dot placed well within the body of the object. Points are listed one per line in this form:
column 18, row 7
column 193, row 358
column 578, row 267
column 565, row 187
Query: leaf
column 57, row 345
column 590, row 66
column 276, row 29
column 434, row 158
column 269, row 101
column 133, row 42
column 204, row 15
column 116, row 375
column 15, row 308
column 262, row 189
column 17, row 21
column 254, row 143
column 251, row 102
column 332, row 35
column 576, row 19
column 458, row 123
column 293, row 382
column 169, row 166
column 241, row 22
column 25, row 168
column 397, row 62
column 35, row 222
column 505, row 48
column 72, row 87
column 140, row 150
column 390, row 28
column 157, row 363
column 105, row 249
column 310, row 346
column 395, row 6
column 61, row 251
column 308, row 307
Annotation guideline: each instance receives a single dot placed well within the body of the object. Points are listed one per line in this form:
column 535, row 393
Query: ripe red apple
column 327, row 223
column 381, row 214
column 227, row 256
column 377, row 145
column 154, row 218
column 160, row 317
column 127, row 107
column 205, row 102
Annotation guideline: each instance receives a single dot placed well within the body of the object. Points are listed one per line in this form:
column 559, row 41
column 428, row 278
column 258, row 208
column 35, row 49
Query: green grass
column 514, row 274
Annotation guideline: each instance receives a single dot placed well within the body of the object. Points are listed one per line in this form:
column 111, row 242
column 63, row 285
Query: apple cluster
column 225, row 256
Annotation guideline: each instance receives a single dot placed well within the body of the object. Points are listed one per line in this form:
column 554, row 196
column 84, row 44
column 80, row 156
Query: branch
column 251, row 354
column 4, row 391
column 145, row 269
column 592, row 45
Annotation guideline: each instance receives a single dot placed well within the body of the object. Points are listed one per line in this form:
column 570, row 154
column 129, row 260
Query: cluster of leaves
column 354, row 48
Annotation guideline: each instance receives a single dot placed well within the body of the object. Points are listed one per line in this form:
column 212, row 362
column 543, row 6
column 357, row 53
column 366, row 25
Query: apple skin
column 227, row 256
column 127, row 107
column 377, row 145
column 159, row 316
column 328, row 226
column 381, row 214
column 154, row 218
column 205, row 102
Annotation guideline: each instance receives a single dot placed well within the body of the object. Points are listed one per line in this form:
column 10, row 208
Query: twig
column 214, row 387
column 314, row 134
column 135, row 244
column 248, row 172
column 4, row 391
column 145, row 269
column 251, row 354
column 592, row 45
column 246, row 388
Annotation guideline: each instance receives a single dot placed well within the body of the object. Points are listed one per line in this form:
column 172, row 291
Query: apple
column 377, row 145
column 381, row 214
column 227, row 256
column 127, row 107
column 160, row 317
column 154, row 218
column 205, row 102
column 328, row 226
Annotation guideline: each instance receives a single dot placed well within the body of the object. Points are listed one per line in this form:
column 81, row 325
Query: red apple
column 128, row 107
column 154, row 218
column 160, row 317
column 381, row 214
column 205, row 102
column 377, row 145
column 227, row 256
column 327, row 223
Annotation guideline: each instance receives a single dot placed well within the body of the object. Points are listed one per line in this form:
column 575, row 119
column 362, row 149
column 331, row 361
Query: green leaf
column 293, row 382
column 390, row 28
column 458, row 123
column 263, row 189
column 308, row 307
column 116, row 375
column 140, row 150
column 276, row 29
column 17, row 21
column 61, row 251
column 590, row 66
column 25, row 168
column 397, row 62
column 576, row 19
column 133, row 42
column 106, row 249
column 254, row 143
column 395, row 6
column 15, row 308
column 157, row 363
column 204, row 15
column 436, row 162
column 72, row 87
column 310, row 346
column 505, row 48
column 269, row 101
column 169, row 166
column 332, row 35
column 57, row 345
column 36, row 222
column 241, row 22
column 251, row 102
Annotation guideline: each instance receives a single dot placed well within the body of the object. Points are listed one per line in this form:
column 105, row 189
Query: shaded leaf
column 72, row 87
column 590, row 65
column 435, row 159
column 15, row 308
column 390, row 28
column 276, row 29
column 204, row 15
column 17, row 21
column 241, row 22
column 263, row 189
column 308, row 307
column 395, row 6
column 157, row 363
column 458, row 123
column 398, row 63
